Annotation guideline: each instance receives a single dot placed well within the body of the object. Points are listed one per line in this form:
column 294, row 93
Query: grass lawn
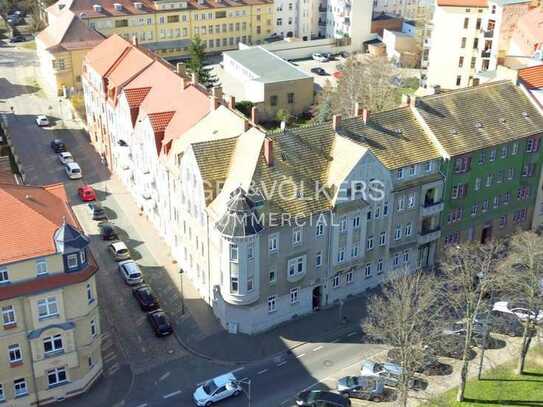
column 502, row 387
column 29, row 45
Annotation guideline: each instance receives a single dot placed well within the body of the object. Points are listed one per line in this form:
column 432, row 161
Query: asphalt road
column 141, row 370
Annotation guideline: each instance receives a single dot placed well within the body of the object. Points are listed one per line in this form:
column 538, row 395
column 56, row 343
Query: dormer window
column 72, row 261
column 118, row 6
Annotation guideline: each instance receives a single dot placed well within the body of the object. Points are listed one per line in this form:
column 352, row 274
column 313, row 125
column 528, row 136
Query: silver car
column 389, row 372
column 130, row 272
column 362, row 387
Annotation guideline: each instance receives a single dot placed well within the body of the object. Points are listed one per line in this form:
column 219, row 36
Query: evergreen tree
column 196, row 64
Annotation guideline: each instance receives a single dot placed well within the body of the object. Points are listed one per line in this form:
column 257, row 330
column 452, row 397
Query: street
column 140, row 369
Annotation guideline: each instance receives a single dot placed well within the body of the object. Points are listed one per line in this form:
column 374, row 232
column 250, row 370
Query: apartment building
column 297, row 18
column 50, row 334
column 346, row 19
column 490, row 137
column 407, row 9
column 167, row 27
column 468, row 39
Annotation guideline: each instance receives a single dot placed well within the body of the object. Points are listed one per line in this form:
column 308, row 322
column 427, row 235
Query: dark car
column 160, row 322
column 504, row 323
column 146, row 298
column 58, row 146
column 97, row 211
column 318, row 71
column 108, row 232
column 425, row 360
column 17, row 38
column 319, row 398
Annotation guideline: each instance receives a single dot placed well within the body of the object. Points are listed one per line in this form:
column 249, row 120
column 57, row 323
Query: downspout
column 34, row 380
column 208, row 262
column 329, row 262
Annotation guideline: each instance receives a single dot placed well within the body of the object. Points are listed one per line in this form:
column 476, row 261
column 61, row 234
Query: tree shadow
column 439, row 369
column 11, row 90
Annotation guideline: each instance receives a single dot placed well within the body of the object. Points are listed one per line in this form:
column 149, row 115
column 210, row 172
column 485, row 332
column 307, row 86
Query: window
column 532, row 145
column 19, row 386
column 122, row 23
column 8, row 315
column 47, row 307
column 382, row 238
column 488, row 182
column 400, row 173
column 458, row 80
column 4, row 278
column 398, row 232
column 355, row 250
column 15, row 355
column 272, row 303
column 523, row 193
column 408, row 229
column 478, row 24
column 401, row 203
column 296, row 236
column 466, row 22
column 356, row 222
column 477, row 183
column 273, row 242
column 462, row 164
column 290, row 98
column 341, row 255
column 460, row 62
column 412, row 170
column 234, row 284
column 52, row 344
column 234, row 253
column 492, row 155
column 41, row 267
column 319, row 230
column 406, row 256
column 520, row 215
column 2, row 396
column 385, row 209
column 368, row 215
column 514, row 150
column 482, row 157
column 318, row 259
column 367, row 270
column 250, row 252
column 455, row 215
column 396, row 260
column 377, row 212
column 90, row 295
column 296, row 266
column 503, row 152
column 411, row 200
column 473, row 62
column 503, row 221
column 56, row 376
column 369, row 245
column 427, row 166
column 349, row 277
column 93, row 329
column 294, row 295
column 273, row 100
column 475, row 43
column 510, row 173
column 335, row 281
column 72, row 261
column 250, row 285
column 484, row 206
column 172, row 19
column 463, row 43
column 83, row 256
column 379, row 266
column 506, row 198
column 474, row 209
column 499, row 177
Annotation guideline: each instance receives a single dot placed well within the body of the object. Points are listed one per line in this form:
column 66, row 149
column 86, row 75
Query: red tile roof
column 6, row 174
column 462, row 3
column 159, row 121
column 102, row 57
column 532, row 77
column 40, row 211
column 135, row 96
column 132, row 62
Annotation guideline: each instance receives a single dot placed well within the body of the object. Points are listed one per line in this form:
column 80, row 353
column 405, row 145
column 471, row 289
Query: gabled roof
column 532, row 77
column 29, row 218
column 67, row 33
column 463, row 3
column 68, row 239
column 102, row 57
column 135, row 96
column 470, row 119
column 133, row 61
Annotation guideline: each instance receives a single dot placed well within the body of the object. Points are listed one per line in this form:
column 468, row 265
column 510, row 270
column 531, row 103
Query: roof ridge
column 466, row 90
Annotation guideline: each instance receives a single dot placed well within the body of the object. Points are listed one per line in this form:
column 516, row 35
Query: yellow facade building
column 50, row 326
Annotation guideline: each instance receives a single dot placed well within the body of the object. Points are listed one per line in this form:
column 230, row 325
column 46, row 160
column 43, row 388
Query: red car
column 86, row 193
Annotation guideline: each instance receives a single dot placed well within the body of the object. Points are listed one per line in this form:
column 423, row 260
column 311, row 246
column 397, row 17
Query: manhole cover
column 328, row 363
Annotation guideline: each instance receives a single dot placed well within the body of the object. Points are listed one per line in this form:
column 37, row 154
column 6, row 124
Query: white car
column 521, row 312
column 389, row 372
column 65, row 158
column 130, row 272
column 321, row 57
column 72, row 170
column 42, row 120
column 119, row 251
column 216, row 389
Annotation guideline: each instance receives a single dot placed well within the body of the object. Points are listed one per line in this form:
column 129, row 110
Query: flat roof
column 267, row 66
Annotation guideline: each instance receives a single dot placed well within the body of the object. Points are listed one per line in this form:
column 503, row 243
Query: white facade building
column 297, row 18
column 408, row 9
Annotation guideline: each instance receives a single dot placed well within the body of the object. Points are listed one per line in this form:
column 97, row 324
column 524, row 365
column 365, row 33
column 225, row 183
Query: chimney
column 214, row 103
column 246, row 125
column 216, row 92
column 336, row 122
column 254, row 115
column 231, row 102
column 412, row 100
column 357, row 109
column 194, row 78
column 365, row 114
column 135, row 40
column 268, row 151
column 180, row 69
column 405, row 100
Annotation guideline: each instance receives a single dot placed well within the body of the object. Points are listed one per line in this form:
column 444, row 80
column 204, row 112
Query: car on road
column 321, row 57
column 318, row 71
column 73, row 170
column 160, row 322
column 65, row 157
column 521, row 311
column 86, row 193
column 42, row 120
column 17, row 38
column 318, row 398
column 217, row 389
column 97, row 211
column 361, row 387
column 57, row 145
column 146, row 298
column 119, row 251
column 130, row 272
column 108, row 231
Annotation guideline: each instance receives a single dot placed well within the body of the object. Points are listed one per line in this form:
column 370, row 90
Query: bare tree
column 522, row 281
column 469, row 275
column 402, row 315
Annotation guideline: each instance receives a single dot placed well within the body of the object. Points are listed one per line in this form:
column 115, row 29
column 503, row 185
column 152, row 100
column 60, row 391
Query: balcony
column 485, row 53
column 488, row 34
column 428, row 235
column 431, row 208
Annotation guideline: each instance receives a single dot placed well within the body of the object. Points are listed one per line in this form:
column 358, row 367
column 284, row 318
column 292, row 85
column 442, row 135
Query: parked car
column 86, row 193
column 17, row 38
column 14, row 19
column 361, row 387
column 321, row 57
column 318, row 398
column 217, row 389
column 318, row 71
column 520, row 310
column 65, row 157
column 426, row 360
column 119, row 251
column 42, row 120
column 57, row 145
column 73, row 170
column 108, row 231
column 389, row 372
column 130, row 272
column 503, row 323
column 146, row 298
column 97, row 211
column 160, row 322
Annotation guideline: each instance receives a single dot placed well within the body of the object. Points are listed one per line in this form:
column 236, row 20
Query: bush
column 245, row 107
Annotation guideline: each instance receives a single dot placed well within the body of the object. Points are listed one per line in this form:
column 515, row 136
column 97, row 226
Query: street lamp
column 247, row 392
column 181, row 292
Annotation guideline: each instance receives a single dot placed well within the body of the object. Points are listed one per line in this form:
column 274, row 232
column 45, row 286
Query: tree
column 196, row 64
column 469, row 275
column 403, row 316
column 521, row 279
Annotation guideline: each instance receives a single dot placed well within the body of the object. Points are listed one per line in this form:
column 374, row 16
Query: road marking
column 351, row 333
column 318, row 348
column 282, row 363
column 143, row 405
column 263, row 371
column 300, row 356
column 164, row 376
column 175, row 393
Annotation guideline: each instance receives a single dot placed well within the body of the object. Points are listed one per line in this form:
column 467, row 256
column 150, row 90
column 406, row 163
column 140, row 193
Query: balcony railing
column 431, row 208
column 428, row 235
column 485, row 53
column 488, row 34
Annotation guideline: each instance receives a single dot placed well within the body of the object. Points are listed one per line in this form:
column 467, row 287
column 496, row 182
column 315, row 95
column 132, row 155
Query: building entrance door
column 316, row 298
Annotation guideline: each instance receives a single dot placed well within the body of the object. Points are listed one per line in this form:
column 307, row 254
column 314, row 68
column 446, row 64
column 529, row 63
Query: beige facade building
column 50, row 333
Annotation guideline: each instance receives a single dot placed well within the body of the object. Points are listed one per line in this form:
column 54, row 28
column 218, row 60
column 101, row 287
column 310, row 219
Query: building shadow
column 10, row 90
